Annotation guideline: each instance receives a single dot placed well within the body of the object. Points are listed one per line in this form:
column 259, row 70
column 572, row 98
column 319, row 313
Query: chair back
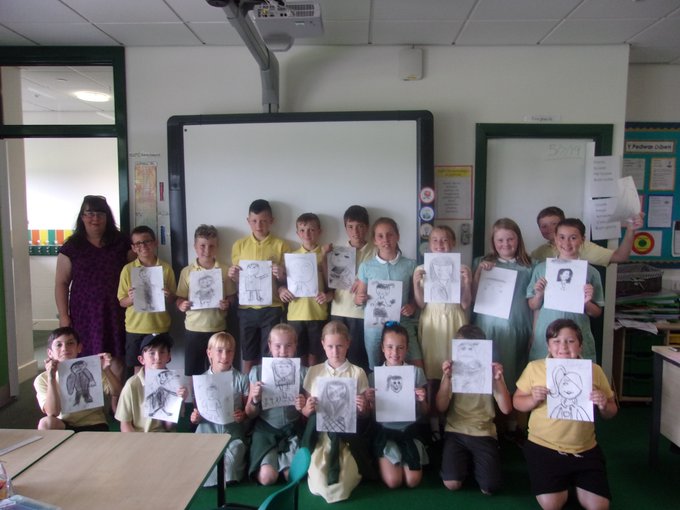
column 286, row 498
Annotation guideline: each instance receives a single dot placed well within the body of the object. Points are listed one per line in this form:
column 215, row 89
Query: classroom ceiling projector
column 280, row 23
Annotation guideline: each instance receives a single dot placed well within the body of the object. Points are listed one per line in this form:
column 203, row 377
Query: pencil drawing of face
column 568, row 386
column 395, row 383
column 302, row 270
column 340, row 259
column 252, row 269
column 442, row 269
column 336, row 394
column 205, row 281
column 564, row 276
column 284, row 372
column 467, row 352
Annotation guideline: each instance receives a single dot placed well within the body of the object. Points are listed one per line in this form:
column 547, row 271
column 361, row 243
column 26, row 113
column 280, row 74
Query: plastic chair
column 286, row 498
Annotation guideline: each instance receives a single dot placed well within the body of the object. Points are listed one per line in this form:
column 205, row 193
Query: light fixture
column 92, row 96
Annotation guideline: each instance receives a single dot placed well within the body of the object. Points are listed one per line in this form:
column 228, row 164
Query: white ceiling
column 651, row 27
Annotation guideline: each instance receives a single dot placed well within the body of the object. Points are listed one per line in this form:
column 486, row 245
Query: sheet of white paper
column 148, row 285
column 662, row 175
column 494, row 292
column 642, row 326
column 606, row 171
column 160, row 394
column 442, row 278
column 395, row 394
column 566, row 282
column 659, row 211
column 80, row 384
column 570, row 382
column 341, row 262
column 214, row 396
column 205, row 289
column 472, row 371
column 627, row 201
column 280, row 382
column 302, row 274
column 255, row 282
column 336, row 409
column 634, row 168
column 383, row 304
column 601, row 226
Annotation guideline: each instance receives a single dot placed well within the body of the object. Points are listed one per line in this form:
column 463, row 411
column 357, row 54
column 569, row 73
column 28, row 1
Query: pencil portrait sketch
column 564, row 276
column 205, row 289
column 148, row 285
column 214, row 396
column 255, row 282
column 566, row 283
column 302, row 274
column 395, row 396
column 281, row 381
column 569, row 387
column 80, row 384
column 336, row 409
column 472, row 371
column 442, row 278
column 341, row 267
column 383, row 303
column 161, row 400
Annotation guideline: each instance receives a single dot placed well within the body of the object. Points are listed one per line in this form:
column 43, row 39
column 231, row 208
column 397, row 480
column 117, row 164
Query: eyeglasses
column 139, row 244
column 392, row 324
column 94, row 214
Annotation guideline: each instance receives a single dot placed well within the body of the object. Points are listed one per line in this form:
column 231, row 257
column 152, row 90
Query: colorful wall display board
column 651, row 153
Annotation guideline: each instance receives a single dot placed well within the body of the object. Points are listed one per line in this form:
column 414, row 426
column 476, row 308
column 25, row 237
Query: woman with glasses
column 88, row 269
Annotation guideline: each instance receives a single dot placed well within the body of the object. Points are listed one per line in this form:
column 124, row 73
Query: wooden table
column 114, row 470
column 20, row 459
column 665, row 399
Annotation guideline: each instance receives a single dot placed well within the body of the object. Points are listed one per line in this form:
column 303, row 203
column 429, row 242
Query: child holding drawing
column 401, row 454
column 470, row 432
column 335, row 470
column 388, row 264
column 276, row 432
column 221, row 350
column 564, row 453
column 569, row 236
column 440, row 321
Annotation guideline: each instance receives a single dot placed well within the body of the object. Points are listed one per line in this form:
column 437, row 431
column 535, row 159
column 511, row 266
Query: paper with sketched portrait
column 280, row 382
column 565, row 288
column 341, row 261
column 383, row 303
column 442, row 277
column 302, row 274
column 395, row 393
column 161, row 401
column 336, row 409
column 472, row 371
column 148, row 285
column 255, row 282
column 569, row 382
column 205, row 289
column 80, row 384
column 495, row 291
column 214, row 396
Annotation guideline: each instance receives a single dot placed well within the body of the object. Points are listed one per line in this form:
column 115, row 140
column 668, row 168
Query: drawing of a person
column 395, row 383
column 283, row 370
column 147, row 289
column 79, row 381
column 381, row 303
column 442, row 275
column 212, row 407
column 302, row 274
column 469, row 371
column 205, row 292
column 568, row 387
column 336, row 405
column 340, row 274
column 253, row 282
column 158, row 399
column 564, row 276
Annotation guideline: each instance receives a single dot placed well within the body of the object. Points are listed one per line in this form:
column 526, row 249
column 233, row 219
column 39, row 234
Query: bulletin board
column 319, row 162
column 651, row 154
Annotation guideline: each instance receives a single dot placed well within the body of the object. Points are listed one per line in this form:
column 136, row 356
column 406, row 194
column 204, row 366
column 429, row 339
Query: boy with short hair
column 547, row 221
column 64, row 344
column 140, row 324
column 307, row 315
column 255, row 322
column 343, row 309
column 154, row 353
column 200, row 324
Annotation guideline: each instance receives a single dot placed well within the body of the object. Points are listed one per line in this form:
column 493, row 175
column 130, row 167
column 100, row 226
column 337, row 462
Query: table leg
column 655, row 431
column 221, row 499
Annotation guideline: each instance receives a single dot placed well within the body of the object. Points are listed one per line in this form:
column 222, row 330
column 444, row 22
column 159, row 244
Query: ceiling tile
column 628, row 9
column 340, row 33
column 216, row 33
column 501, row 33
column 151, row 34
column 345, row 10
column 522, row 9
column 664, row 33
column 9, row 38
column 590, row 31
column 654, row 55
column 406, row 10
column 62, row 34
column 197, row 10
column 122, row 11
column 34, row 11
column 415, row 32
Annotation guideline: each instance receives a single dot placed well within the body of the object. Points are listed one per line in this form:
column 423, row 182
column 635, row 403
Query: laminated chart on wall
column 651, row 153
